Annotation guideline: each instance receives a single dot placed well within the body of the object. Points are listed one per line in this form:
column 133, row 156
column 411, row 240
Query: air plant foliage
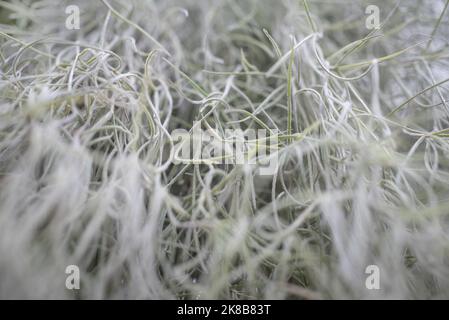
column 87, row 176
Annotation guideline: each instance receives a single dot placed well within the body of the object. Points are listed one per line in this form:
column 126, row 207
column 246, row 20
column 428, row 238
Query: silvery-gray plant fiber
column 87, row 176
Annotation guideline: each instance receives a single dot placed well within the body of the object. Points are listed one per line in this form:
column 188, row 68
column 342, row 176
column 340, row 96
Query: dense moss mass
column 353, row 99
